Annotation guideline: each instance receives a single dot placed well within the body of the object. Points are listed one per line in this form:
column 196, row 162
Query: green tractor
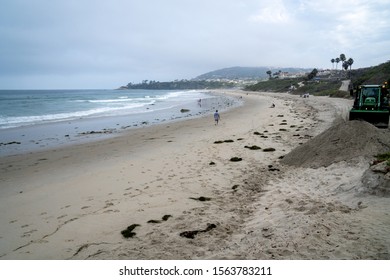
column 371, row 104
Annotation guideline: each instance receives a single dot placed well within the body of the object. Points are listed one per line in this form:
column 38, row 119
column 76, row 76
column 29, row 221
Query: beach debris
column 261, row 134
column 235, row 159
column 184, row 110
column 163, row 219
column 201, row 198
column 269, row 150
column 166, row 217
column 235, row 187
column 272, row 168
column 128, row 232
column 192, row 233
column 212, row 163
column 154, row 222
column 10, row 143
column 224, row 141
column 104, row 131
column 254, row 147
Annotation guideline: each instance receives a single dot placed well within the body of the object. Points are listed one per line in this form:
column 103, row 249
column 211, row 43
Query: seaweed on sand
column 254, row 147
column 201, row 198
column 128, row 232
column 163, row 219
column 154, row 222
column 192, row 233
column 166, row 217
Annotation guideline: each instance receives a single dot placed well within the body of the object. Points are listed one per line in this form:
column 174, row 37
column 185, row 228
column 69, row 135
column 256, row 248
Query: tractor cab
column 371, row 104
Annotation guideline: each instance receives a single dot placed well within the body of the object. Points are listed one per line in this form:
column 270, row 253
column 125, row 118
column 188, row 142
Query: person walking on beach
column 216, row 117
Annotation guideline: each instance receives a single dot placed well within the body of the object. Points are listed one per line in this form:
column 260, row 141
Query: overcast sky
column 47, row 44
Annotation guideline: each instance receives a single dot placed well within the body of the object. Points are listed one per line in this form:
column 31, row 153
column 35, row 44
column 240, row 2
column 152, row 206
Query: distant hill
column 222, row 78
column 246, row 73
column 180, row 85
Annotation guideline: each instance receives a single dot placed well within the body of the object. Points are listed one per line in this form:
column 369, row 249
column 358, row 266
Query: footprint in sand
column 111, row 211
column 108, row 204
column 28, row 233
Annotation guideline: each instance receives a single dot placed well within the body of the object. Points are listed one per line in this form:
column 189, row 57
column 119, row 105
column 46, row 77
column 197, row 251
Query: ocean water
column 37, row 119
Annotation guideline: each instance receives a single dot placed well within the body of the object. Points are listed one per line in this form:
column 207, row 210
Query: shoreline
column 174, row 181
column 53, row 135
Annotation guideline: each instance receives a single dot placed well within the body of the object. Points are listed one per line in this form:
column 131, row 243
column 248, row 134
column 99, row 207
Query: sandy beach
column 255, row 186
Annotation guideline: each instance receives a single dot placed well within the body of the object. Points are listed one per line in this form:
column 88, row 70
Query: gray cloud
column 104, row 44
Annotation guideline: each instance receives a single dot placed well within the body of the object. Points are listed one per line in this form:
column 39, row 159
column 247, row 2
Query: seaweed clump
column 201, row 198
column 128, row 232
column 254, row 147
column 163, row 219
column 192, row 233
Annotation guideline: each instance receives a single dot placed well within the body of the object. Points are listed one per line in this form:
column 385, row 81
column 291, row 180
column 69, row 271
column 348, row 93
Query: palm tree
column 343, row 57
column 345, row 65
column 337, row 61
column 333, row 61
column 350, row 62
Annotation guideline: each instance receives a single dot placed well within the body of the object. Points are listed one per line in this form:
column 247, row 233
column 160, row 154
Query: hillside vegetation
column 246, row 73
column 373, row 75
column 326, row 85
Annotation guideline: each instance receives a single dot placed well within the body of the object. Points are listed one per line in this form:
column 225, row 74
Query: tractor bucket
column 377, row 118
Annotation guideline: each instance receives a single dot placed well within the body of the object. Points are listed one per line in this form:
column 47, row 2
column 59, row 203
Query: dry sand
column 190, row 201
